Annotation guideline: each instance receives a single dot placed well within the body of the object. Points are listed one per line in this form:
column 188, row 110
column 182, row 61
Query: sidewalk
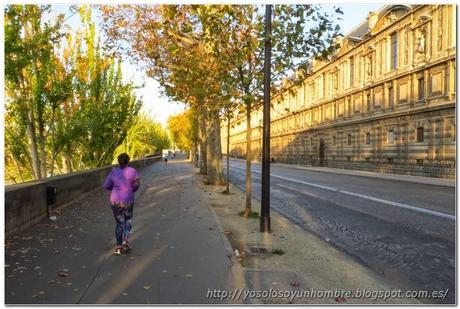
column 294, row 260
column 397, row 177
column 178, row 252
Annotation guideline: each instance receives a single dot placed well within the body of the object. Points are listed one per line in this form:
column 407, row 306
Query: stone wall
column 26, row 203
column 437, row 170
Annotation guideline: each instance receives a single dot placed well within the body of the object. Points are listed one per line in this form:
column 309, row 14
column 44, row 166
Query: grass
column 252, row 214
column 278, row 251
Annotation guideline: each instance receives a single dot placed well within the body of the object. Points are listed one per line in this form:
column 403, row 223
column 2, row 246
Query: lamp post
column 265, row 225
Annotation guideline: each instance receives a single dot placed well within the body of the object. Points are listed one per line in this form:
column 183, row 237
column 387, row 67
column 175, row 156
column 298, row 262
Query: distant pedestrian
column 122, row 181
column 166, row 160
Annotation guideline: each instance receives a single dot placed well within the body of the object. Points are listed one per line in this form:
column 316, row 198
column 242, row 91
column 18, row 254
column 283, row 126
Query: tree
column 299, row 32
column 168, row 41
column 180, row 127
column 205, row 54
column 228, row 112
column 144, row 137
column 64, row 97
column 33, row 90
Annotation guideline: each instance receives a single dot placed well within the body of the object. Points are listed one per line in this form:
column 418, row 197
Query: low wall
column 26, row 203
column 434, row 170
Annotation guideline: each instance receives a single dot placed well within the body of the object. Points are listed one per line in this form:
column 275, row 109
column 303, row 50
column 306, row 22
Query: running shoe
column 125, row 245
column 117, row 250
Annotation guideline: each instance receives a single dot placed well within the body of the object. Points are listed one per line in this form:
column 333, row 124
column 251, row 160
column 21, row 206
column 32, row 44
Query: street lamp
column 265, row 225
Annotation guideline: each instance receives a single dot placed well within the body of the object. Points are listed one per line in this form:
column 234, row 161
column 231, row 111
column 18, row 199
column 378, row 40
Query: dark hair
column 123, row 159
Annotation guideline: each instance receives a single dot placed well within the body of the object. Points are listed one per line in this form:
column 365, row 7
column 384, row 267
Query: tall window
column 420, row 135
column 421, row 88
column 394, row 51
column 368, row 101
column 390, row 96
column 368, row 138
column 352, row 71
column 349, row 139
column 334, row 140
column 391, row 137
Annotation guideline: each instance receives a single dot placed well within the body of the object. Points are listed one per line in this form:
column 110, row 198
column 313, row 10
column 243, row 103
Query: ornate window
column 391, row 96
column 394, row 51
column 368, row 138
column 421, row 88
column 420, row 135
column 352, row 71
column 368, row 101
column 391, row 137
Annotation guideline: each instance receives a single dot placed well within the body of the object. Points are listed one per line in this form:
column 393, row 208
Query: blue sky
column 158, row 107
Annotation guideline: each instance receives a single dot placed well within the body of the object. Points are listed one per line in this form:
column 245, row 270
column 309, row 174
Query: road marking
column 363, row 196
column 401, row 205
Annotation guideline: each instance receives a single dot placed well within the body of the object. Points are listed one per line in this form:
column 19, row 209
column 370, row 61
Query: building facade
column 384, row 102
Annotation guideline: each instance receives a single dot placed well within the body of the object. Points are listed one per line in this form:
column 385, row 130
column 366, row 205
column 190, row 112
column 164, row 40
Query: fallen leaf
column 124, row 294
column 294, row 283
column 146, row 287
column 340, row 299
column 211, row 229
column 35, row 296
column 188, row 276
column 227, row 232
column 51, row 281
column 41, row 292
column 62, row 274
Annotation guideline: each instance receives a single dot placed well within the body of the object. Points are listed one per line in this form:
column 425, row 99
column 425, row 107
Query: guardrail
column 28, row 203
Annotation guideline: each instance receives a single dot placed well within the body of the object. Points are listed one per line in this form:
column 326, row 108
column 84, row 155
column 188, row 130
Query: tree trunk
column 247, row 210
column 228, row 154
column 202, row 138
column 195, row 153
column 36, row 166
column 42, row 144
column 68, row 160
column 53, row 159
column 215, row 171
column 192, row 154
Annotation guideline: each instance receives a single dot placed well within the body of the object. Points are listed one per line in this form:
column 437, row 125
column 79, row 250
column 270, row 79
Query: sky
column 159, row 107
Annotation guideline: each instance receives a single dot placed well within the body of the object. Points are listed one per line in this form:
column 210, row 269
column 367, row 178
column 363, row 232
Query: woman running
column 123, row 181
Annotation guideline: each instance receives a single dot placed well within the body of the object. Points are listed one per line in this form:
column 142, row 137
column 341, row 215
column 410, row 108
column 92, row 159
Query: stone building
column 384, row 102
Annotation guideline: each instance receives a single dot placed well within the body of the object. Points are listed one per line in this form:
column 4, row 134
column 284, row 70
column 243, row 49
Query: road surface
column 403, row 231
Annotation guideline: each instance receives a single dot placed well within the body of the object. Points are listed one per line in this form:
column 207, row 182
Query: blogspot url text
column 245, row 294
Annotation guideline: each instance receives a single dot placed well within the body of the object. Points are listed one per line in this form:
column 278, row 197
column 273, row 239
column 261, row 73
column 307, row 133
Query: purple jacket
column 122, row 182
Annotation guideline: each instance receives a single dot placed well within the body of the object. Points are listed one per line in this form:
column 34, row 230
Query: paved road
column 177, row 251
column 403, row 231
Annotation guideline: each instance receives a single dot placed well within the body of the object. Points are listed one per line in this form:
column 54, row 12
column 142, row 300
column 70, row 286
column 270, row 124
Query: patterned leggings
column 123, row 216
